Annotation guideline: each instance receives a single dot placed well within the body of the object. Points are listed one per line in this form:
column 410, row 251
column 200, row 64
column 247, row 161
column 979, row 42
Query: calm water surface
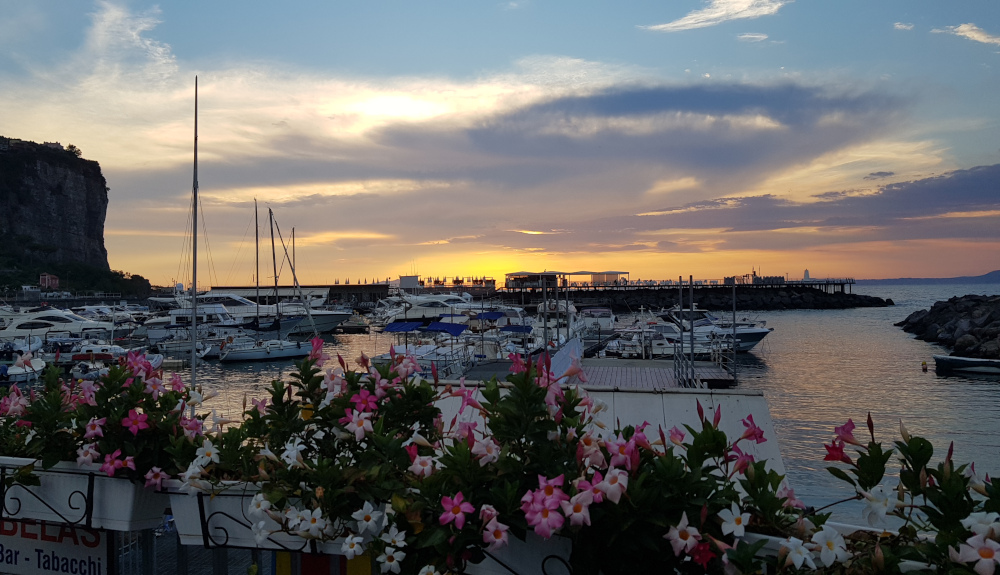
column 817, row 369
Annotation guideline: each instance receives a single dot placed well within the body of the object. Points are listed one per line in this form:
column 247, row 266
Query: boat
column 947, row 363
column 747, row 334
column 23, row 369
column 264, row 350
column 42, row 320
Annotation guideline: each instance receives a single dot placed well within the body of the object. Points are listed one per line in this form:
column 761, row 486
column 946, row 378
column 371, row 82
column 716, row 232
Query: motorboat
column 264, row 350
column 947, row 363
column 601, row 320
column 747, row 334
column 42, row 320
column 23, row 369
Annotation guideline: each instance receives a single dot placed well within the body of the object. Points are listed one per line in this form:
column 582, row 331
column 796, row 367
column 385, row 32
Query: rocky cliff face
column 52, row 207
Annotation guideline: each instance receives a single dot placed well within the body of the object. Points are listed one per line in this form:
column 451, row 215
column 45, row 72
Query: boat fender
column 222, row 346
column 298, row 345
column 267, row 348
column 923, row 366
column 552, row 306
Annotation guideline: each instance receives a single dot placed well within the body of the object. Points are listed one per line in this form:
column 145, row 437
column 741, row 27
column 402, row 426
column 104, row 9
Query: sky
column 454, row 138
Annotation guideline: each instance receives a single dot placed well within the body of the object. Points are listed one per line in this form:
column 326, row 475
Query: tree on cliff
column 74, row 150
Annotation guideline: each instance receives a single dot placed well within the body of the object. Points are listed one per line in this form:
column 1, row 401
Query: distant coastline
column 990, row 278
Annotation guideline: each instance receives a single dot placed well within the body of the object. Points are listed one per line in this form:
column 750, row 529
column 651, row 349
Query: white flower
column 985, row 552
column 313, row 523
column 259, row 505
column 682, row 537
column 293, row 516
column 983, row 523
column 31, row 435
column 877, row 504
column 394, row 537
column 259, row 533
column 207, row 453
column 390, row 560
column 368, row 519
column 429, row 570
column 352, row 546
column 733, row 521
column 292, row 455
column 831, row 546
column 797, row 554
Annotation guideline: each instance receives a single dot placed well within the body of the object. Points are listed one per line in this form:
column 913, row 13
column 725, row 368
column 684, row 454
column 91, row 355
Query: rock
column 965, row 343
column 54, row 206
column 970, row 324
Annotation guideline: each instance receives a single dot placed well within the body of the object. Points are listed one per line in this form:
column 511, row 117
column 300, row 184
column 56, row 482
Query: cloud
column 879, row 175
column 902, row 26
column 719, row 11
column 971, row 32
column 752, row 37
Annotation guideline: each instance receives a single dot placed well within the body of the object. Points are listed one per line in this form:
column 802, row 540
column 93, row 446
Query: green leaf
column 841, row 474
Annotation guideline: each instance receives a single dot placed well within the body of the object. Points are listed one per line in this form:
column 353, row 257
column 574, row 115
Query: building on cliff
column 54, row 206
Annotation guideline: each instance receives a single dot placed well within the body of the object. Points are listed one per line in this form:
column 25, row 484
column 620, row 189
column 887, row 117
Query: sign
column 31, row 547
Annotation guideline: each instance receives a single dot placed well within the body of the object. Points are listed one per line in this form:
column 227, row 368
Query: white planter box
column 526, row 557
column 81, row 495
column 222, row 520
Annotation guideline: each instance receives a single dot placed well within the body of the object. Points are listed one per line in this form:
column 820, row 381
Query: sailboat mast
column 256, row 244
column 194, row 245
column 274, row 261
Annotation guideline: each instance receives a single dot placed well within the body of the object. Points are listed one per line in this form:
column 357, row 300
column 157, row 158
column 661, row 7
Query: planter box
column 534, row 556
column 222, row 520
column 80, row 495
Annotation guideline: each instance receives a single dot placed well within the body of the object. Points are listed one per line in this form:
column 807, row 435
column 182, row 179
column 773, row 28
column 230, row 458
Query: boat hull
column 967, row 364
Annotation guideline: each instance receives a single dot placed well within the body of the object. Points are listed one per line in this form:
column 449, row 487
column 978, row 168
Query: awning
column 402, row 326
column 491, row 315
column 516, row 328
column 451, row 328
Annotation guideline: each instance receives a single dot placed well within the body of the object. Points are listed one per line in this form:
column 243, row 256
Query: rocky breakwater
column 969, row 325
column 721, row 299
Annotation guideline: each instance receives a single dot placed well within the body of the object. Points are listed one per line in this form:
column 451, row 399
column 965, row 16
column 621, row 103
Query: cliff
column 53, row 207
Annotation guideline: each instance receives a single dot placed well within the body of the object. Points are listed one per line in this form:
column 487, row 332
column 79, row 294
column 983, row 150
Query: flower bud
column 903, row 432
column 923, row 478
column 878, row 560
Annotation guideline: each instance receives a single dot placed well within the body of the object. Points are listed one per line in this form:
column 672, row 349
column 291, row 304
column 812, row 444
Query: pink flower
column 93, row 427
column 742, row 460
column 112, row 463
column 487, row 512
column 517, row 364
column 544, row 517
column 411, row 451
column 788, row 494
column 155, row 476
column 193, row 427
column 175, row 382
column 845, row 433
column 835, row 452
column 591, row 486
column 467, row 397
column 455, row 510
column 753, row 432
column 364, row 401
column 422, row 466
column 614, row 484
column 676, row 436
column 87, row 454
column 682, row 537
column 552, row 488
column 577, row 509
column 135, row 421
column 260, row 405
column 487, row 451
column 623, row 453
column 360, row 423
column 495, row 534
column 316, row 354
column 154, row 386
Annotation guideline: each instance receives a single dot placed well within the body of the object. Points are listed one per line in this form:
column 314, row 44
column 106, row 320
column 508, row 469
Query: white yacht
column 246, row 311
column 747, row 334
column 42, row 320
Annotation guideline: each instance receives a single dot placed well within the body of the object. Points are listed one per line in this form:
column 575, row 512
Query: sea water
column 817, row 369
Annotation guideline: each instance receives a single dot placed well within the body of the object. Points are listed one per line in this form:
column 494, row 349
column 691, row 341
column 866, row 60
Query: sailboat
column 261, row 349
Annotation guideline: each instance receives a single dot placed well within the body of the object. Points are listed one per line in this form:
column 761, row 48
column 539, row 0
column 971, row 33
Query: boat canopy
column 491, row 315
column 452, row 328
column 402, row 326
